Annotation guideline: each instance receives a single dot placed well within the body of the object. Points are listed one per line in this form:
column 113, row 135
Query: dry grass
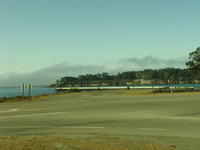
column 150, row 92
column 96, row 93
column 27, row 98
column 60, row 143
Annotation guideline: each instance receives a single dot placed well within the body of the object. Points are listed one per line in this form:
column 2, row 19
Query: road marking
column 154, row 129
column 16, row 109
column 83, row 127
column 22, row 110
column 24, row 115
column 38, row 109
column 74, row 127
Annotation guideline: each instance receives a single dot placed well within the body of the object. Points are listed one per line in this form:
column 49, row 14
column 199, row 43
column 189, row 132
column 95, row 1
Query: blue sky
column 71, row 37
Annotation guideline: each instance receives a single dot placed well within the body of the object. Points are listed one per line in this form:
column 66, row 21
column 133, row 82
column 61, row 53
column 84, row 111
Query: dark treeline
column 147, row 76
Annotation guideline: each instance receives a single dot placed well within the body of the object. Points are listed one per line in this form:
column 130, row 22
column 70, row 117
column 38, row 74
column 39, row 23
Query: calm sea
column 17, row 91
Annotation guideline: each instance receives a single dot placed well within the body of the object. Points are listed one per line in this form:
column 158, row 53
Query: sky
column 44, row 40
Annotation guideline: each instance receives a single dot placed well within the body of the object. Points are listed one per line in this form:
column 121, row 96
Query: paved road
column 105, row 113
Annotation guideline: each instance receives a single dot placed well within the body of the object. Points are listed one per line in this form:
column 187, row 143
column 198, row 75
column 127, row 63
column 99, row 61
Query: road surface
column 170, row 119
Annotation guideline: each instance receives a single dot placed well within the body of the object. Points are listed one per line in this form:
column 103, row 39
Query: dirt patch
column 86, row 143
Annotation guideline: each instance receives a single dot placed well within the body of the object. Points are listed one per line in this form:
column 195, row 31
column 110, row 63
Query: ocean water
column 17, row 91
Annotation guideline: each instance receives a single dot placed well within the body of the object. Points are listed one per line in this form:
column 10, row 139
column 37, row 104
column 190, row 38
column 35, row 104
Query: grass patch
column 27, row 98
column 102, row 92
column 159, row 91
column 59, row 143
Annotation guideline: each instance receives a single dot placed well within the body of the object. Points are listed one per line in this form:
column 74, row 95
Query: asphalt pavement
column 174, row 116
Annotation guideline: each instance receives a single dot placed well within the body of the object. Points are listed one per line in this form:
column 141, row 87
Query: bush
column 74, row 90
column 2, row 99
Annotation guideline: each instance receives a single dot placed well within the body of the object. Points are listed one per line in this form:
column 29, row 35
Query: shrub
column 74, row 90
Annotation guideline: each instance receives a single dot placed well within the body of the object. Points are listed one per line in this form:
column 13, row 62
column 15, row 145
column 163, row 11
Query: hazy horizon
column 49, row 75
column 42, row 41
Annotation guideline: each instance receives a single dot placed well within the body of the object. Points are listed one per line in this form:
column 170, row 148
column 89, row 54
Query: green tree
column 194, row 61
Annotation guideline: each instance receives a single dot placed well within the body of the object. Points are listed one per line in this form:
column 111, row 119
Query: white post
column 29, row 90
column 170, row 86
column 22, row 87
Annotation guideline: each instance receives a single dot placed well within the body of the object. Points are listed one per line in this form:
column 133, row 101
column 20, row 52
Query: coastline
column 138, row 92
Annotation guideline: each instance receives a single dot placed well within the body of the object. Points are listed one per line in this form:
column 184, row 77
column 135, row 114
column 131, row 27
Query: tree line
column 147, row 76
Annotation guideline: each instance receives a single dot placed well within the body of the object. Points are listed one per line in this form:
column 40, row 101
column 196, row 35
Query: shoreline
column 139, row 92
